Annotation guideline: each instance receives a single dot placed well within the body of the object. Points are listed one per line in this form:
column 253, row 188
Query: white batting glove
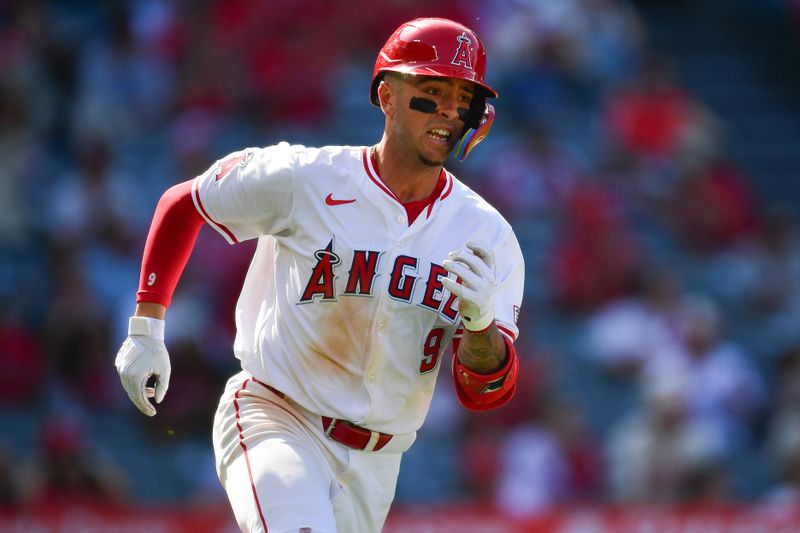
column 475, row 267
column 143, row 354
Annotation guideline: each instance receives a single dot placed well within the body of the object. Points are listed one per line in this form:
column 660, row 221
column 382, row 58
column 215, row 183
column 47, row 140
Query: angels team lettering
column 405, row 274
column 321, row 280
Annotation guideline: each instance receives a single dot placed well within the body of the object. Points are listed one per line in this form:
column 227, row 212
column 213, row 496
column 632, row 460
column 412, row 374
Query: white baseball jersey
column 343, row 307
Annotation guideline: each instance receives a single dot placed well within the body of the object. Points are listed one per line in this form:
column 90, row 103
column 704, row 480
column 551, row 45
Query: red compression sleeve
column 170, row 241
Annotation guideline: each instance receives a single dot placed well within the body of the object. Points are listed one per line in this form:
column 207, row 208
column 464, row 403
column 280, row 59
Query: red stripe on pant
column 246, row 457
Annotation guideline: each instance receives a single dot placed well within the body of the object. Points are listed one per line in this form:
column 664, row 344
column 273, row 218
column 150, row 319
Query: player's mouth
column 439, row 135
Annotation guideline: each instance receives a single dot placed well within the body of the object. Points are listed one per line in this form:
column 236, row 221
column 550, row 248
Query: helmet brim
column 432, row 70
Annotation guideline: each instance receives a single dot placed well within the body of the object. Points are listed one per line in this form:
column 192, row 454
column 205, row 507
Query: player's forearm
column 483, row 352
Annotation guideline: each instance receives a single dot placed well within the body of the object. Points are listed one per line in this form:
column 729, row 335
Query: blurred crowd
column 653, row 269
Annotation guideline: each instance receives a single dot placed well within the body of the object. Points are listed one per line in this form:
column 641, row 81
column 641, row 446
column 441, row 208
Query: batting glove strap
column 146, row 326
column 480, row 324
column 482, row 392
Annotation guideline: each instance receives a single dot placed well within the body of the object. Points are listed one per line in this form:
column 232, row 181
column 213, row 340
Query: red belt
column 346, row 432
column 354, row 436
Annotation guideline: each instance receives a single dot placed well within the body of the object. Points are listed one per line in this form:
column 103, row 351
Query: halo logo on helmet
column 462, row 56
column 421, row 48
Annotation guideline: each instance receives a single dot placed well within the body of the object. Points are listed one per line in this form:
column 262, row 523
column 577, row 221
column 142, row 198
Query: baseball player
column 370, row 260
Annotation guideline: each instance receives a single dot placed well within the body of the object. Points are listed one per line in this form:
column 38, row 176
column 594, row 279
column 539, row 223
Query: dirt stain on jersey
column 343, row 341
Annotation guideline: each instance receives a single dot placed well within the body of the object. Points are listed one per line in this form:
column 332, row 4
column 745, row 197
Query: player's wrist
column 150, row 309
column 480, row 324
column 146, row 326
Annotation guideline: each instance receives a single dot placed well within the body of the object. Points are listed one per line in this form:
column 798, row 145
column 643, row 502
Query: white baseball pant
column 282, row 474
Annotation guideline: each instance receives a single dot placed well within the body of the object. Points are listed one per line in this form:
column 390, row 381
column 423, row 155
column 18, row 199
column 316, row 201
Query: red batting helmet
column 432, row 47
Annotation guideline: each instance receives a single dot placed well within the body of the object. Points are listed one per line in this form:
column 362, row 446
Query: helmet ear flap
column 472, row 118
column 473, row 135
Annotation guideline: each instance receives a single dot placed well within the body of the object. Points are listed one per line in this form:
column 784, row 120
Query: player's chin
column 432, row 161
column 436, row 156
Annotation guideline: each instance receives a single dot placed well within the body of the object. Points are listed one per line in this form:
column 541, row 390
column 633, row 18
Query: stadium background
column 647, row 154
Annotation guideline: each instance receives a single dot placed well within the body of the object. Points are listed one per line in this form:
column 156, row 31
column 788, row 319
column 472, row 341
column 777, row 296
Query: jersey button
column 381, row 324
column 401, row 242
column 372, row 378
column 401, row 219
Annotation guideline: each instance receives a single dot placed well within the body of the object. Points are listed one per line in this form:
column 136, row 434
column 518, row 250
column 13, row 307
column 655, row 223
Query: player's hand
column 474, row 266
column 143, row 354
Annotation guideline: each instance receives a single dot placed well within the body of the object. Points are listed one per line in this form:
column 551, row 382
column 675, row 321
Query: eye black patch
column 423, row 105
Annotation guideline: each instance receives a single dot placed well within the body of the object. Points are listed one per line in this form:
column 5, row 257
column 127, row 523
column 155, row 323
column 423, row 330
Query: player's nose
column 448, row 105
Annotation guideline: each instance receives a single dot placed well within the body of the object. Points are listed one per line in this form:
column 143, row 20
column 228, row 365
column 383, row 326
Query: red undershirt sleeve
column 170, row 242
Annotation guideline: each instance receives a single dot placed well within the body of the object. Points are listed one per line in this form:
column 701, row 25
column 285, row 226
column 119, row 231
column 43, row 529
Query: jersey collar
column 444, row 186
